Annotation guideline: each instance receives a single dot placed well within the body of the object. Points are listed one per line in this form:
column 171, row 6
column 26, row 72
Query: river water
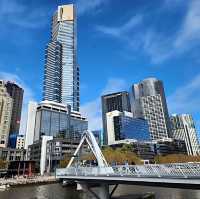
column 56, row 191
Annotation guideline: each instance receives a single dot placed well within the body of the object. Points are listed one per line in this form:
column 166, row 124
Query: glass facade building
column 116, row 101
column 12, row 140
column 123, row 126
column 53, row 72
column 53, row 119
column 61, row 79
column 131, row 128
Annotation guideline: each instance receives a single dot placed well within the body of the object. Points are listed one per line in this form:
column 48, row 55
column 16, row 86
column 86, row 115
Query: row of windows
column 53, row 123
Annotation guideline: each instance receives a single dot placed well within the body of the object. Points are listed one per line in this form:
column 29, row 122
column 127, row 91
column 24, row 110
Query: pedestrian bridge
column 179, row 175
column 166, row 175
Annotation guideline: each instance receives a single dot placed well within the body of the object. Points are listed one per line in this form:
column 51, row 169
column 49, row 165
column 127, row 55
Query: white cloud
column 172, row 3
column 111, row 31
column 7, row 8
column 121, row 31
column 92, row 109
column 86, row 6
column 136, row 36
column 114, row 85
column 186, row 99
column 190, row 30
column 28, row 96
column 23, row 15
column 157, row 45
column 161, row 47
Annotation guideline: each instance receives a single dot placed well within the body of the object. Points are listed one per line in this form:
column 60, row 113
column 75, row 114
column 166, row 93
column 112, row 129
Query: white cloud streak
column 16, row 13
column 92, row 109
column 122, row 30
column 190, row 30
column 28, row 96
column 88, row 6
column 24, row 15
column 158, row 46
column 186, row 99
column 172, row 3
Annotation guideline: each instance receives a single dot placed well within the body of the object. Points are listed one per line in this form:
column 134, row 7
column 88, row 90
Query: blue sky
column 118, row 44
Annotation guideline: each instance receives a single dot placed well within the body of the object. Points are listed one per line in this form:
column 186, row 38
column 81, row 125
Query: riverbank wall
column 28, row 181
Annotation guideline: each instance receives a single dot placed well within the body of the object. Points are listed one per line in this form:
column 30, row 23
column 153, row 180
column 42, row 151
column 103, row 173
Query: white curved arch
column 91, row 141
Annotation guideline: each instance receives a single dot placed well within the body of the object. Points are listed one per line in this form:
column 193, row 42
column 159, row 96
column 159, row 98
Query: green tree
column 3, row 164
column 126, row 148
column 120, row 155
column 176, row 158
column 65, row 161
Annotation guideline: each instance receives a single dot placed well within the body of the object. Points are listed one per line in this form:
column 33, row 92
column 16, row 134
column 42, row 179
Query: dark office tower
column 16, row 93
column 148, row 101
column 61, row 78
column 116, row 101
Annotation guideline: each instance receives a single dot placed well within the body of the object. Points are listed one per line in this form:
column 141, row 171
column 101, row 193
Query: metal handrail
column 177, row 170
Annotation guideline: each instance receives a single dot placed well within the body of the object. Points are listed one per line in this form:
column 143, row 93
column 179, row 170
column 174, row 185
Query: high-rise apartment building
column 16, row 93
column 183, row 128
column 116, row 101
column 5, row 114
column 148, row 101
column 61, row 76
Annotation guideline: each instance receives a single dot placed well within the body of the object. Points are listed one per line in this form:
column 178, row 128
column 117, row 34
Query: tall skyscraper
column 16, row 93
column 183, row 128
column 148, row 102
column 111, row 102
column 53, row 72
column 61, row 75
column 5, row 114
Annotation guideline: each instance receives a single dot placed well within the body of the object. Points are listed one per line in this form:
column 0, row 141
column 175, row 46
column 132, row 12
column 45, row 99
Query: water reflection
column 160, row 193
column 56, row 191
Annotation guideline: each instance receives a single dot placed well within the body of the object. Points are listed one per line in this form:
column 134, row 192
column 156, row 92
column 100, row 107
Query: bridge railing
column 189, row 170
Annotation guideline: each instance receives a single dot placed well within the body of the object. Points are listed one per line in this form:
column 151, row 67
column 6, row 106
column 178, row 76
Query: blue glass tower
column 61, row 79
column 131, row 128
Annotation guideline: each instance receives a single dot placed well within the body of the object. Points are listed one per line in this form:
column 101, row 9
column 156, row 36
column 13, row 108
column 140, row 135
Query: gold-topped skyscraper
column 66, row 13
column 61, row 78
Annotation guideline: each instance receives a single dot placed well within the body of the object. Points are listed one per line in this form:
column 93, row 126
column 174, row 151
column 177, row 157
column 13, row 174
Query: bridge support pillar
column 100, row 191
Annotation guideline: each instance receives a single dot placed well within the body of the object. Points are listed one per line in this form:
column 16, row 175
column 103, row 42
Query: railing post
column 185, row 176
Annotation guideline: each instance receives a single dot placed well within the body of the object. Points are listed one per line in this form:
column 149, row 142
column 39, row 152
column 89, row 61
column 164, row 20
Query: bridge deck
column 171, row 175
column 166, row 182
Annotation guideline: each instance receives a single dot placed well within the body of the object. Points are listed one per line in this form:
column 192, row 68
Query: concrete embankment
column 26, row 181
